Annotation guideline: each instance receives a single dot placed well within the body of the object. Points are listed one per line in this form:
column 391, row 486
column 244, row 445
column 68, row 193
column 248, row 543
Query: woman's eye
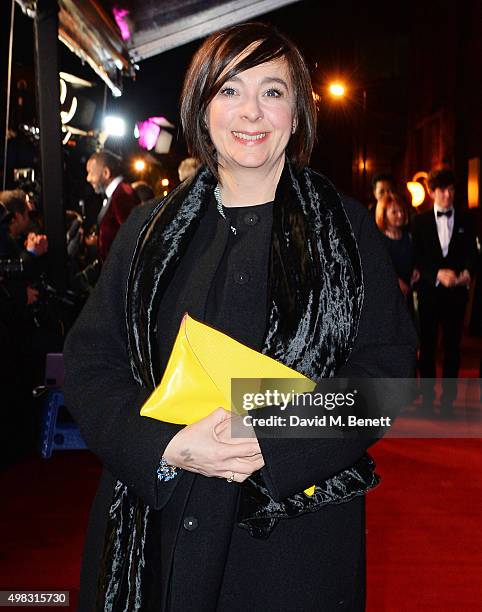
column 228, row 91
column 274, row 93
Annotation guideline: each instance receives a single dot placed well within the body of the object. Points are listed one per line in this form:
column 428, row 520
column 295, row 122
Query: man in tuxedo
column 445, row 254
column 103, row 173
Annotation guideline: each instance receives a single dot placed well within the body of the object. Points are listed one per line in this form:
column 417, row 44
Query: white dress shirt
column 445, row 227
column 111, row 187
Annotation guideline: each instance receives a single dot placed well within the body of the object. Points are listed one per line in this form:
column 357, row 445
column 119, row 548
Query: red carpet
column 424, row 536
column 44, row 511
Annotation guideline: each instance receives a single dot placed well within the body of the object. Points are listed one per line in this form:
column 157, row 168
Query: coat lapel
column 433, row 234
column 458, row 227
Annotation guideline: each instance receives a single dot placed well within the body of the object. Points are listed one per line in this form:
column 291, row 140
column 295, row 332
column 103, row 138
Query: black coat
column 315, row 561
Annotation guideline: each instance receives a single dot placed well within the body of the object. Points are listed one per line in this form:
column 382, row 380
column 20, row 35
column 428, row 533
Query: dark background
column 419, row 63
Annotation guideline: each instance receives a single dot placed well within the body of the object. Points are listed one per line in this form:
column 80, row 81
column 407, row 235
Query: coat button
column 241, row 278
column 190, row 523
column 251, row 218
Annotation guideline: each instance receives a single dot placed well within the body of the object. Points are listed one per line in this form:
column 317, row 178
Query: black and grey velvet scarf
column 315, row 300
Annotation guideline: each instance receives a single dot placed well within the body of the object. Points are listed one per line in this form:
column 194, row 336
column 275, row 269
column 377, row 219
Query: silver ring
column 231, row 478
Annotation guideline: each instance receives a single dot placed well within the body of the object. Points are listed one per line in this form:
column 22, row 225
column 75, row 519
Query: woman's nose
column 251, row 109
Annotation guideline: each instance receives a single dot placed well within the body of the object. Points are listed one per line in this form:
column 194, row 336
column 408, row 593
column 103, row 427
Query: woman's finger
column 242, row 467
column 236, row 477
column 243, row 449
column 254, row 460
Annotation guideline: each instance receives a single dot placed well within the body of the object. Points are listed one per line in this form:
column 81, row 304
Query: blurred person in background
column 445, row 254
column 16, row 425
column 104, row 174
column 188, row 167
column 392, row 220
column 22, row 263
column 25, row 245
column 143, row 190
column 75, row 234
column 83, row 267
column 17, row 204
column 383, row 184
column 5, row 218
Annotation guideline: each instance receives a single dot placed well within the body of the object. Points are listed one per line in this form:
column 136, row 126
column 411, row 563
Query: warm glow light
column 420, row 175
column 364, row 165
column 417, row 192
column 165, row 192
column 165, row 182
column 473, row 192
column 337, row 90
column 139, row 165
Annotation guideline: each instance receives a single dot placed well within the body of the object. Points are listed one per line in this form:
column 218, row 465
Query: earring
column 293, row 128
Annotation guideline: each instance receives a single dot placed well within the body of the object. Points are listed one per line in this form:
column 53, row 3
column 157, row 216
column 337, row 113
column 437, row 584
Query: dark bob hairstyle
column 207, row 73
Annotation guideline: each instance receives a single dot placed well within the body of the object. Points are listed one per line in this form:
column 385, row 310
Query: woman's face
column 250, row 120
column 395, row 216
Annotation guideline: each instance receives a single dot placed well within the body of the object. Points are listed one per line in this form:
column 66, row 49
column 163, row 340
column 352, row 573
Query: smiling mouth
column 248, row 138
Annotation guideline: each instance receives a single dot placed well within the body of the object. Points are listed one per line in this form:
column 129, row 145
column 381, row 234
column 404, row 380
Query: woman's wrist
column 166, row 471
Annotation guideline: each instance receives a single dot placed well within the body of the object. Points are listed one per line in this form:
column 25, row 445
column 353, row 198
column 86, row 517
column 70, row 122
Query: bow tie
column 445, row 213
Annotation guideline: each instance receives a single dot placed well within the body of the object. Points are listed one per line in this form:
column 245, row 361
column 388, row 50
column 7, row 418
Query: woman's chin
column 253, row 161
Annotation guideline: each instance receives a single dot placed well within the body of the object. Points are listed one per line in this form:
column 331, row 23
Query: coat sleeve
column 100, row 391
column 384, row 347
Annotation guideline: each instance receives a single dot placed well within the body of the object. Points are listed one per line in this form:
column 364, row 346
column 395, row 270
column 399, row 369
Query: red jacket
column 122, row 202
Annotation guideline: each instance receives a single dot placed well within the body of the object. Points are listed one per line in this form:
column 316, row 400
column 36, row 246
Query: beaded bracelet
column 165, row 471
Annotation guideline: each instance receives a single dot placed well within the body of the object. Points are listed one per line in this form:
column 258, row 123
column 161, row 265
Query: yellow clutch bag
column 197, row 379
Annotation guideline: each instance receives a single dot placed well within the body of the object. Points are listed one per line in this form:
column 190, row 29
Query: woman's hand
column 207, row 448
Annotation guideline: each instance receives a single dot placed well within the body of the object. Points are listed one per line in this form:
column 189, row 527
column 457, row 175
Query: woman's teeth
column 249, row 136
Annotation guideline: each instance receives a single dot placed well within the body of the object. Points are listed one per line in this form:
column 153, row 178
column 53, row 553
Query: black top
column 228, row 293
column 402, row 255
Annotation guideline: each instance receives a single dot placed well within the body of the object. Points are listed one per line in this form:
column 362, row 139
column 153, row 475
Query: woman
column 391, row 218
column 262, row 248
